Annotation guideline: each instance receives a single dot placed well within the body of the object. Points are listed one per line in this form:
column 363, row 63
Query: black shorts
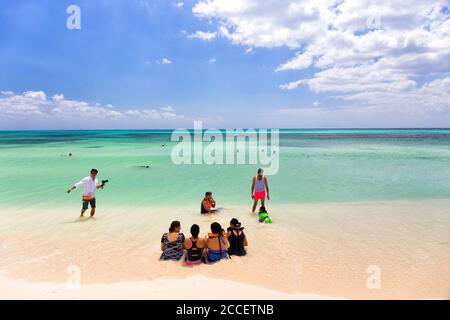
column 86, row 203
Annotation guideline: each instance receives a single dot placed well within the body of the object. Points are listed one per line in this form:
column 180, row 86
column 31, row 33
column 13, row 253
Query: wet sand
column 310, row 251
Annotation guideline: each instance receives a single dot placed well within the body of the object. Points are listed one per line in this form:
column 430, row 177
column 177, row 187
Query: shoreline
column 324, row 249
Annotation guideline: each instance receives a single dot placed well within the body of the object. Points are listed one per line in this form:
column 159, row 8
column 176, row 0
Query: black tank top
column 194, row 253
column 236, row 243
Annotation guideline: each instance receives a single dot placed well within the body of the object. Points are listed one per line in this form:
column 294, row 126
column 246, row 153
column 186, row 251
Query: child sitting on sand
column 263, row 215
column 236, row 238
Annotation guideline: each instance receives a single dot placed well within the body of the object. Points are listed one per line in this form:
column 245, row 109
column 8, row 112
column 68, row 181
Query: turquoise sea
column 316, row 166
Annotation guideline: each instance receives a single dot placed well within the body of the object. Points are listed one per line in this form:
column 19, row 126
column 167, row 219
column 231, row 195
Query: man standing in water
column 259, row 189
column 91, row 185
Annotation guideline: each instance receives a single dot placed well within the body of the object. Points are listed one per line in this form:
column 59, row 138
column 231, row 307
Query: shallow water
column 316, row 166
column 323, row 249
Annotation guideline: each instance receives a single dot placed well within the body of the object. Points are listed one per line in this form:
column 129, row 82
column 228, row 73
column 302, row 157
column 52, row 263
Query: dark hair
column 208, row 193
column 235, row 223
column 174, row 225
column 195, row 230
column 94, row 171
column 260, row 170
column 216, row 228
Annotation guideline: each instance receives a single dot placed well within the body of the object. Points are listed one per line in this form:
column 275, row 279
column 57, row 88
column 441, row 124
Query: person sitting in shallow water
column 216, row 244
column 172, row 243
column 236, row 238
column 194, row 247
column 208, row 204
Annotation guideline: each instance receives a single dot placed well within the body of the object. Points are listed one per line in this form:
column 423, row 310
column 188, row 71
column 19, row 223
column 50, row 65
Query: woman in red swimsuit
column 260, row 188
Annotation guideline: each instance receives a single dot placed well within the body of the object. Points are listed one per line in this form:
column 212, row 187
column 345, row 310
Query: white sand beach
column 195, row 287
column 310, row 251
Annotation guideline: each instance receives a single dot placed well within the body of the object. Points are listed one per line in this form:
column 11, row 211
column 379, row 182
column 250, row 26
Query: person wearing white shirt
column 90, row 184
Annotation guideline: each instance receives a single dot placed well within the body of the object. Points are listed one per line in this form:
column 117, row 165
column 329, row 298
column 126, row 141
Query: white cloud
column 167, row 109
column 207, row 36
column 212, row 60
column 369, row 53
column 163, row 113
column 301, row 61
column 179, row 4
column 262, row 23
column 35, row 95
column 147, row 6
column 35, row 109
column 291, row 85
column 7, row 93
column 166, row 61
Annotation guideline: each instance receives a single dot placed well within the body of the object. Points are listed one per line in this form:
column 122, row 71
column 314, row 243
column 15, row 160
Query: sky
column 148, row 64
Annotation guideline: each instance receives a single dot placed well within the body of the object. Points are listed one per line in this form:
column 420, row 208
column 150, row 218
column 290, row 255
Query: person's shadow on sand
column 80, row 219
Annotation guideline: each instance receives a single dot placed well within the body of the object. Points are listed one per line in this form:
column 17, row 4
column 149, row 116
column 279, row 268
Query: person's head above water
column 94, row 173
column 175, row 226
column 260, row 172
column 216, row 228
column 195, row 230
column 208, row 194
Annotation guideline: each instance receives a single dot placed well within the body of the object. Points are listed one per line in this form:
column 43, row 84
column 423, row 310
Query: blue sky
column 265, row 65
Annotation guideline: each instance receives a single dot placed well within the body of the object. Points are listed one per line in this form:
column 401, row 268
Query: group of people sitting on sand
column 218, row 245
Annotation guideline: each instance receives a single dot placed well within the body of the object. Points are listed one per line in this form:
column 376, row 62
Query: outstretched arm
column 76, row 185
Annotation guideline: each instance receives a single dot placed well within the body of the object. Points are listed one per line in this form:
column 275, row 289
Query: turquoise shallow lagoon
column 316, row 166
